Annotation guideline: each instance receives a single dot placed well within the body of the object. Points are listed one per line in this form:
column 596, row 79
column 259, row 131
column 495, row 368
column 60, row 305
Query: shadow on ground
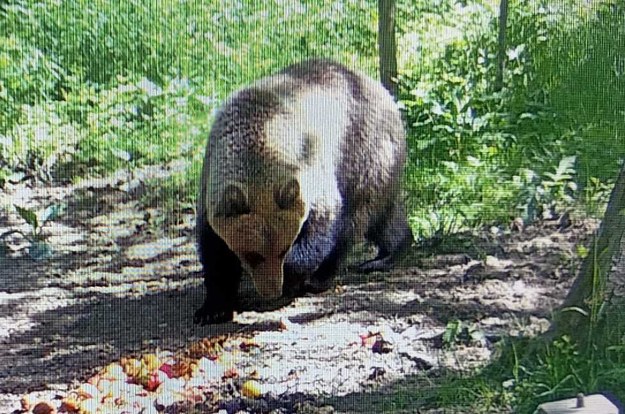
column 120, row 285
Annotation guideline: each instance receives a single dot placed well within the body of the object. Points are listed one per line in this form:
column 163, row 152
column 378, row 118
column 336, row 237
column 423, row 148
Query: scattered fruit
column 381, row 346
column 251, row 389
column 44, row 408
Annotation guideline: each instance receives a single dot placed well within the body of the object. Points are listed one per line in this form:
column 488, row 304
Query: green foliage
column 28, row 76
column 123, row 82
column 596, row 195
column 556, row 373
column 101, row 129
column 128, row 83
column 544, row 196
column 39, row 141
column 529, row 373
column 533, row 371
column 561, row 370
column 38, row 248
column 174, row 194
column 90, row 86
column 458, row 332
column 139, row 122
column 478, row 155
column 460, row 128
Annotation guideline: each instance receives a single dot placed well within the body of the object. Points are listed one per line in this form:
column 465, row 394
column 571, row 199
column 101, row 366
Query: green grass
column 527, row 373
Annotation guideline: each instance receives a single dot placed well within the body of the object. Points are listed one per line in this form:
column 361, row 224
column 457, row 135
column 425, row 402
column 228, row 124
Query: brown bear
column 299, row 166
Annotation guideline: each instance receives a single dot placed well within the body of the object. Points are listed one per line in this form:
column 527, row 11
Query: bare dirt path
column 119, row 285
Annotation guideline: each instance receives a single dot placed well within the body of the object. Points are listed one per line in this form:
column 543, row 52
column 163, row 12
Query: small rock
column 378, row 372
column 519, row 289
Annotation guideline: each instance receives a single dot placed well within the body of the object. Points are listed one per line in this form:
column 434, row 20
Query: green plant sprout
column 39, row 248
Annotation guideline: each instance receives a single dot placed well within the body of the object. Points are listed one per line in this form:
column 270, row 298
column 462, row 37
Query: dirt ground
column 121, row 283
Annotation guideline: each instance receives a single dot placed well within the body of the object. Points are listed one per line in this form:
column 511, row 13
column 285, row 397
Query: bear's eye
column 253, row 259
column 286, row 195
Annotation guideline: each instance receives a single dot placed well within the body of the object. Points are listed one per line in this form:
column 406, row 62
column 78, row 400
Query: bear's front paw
column 208, row 314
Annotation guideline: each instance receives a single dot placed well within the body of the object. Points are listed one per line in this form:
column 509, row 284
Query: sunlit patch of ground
column 119, row 285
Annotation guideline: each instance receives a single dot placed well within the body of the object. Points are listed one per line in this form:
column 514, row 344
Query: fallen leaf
column 368, row 339
column 283, row 325
column 254, row 375
column 247, row 344
column 155, row 380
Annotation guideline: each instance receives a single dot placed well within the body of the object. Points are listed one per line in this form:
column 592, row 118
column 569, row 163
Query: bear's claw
column 206, row 316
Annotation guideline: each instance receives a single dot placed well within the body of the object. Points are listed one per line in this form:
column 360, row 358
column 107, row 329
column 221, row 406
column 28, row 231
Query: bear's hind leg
column 392, row 236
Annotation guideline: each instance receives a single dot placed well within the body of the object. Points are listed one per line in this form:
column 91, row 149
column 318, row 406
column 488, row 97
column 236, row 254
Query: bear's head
column 259, row 223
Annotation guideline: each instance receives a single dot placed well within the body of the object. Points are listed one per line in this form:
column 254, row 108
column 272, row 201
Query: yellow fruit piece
column 88, row 391
column 89, row 406
column 114, row 372
column 131, row 366
column 151, row 362
column 251, row 389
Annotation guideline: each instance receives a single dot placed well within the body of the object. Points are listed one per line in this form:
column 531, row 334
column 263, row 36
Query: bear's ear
column 286, row 194
column 233, row 202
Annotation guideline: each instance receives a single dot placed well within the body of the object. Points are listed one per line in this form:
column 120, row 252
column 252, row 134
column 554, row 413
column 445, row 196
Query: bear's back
column 311, row 112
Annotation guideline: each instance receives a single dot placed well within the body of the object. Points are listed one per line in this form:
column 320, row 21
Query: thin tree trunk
column 599, row 289
column 387, row 46
column 501, row 43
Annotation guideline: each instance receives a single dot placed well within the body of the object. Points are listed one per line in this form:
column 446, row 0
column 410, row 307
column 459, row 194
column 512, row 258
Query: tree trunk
column 598, row 295
column 387, row 46
column 501, row 43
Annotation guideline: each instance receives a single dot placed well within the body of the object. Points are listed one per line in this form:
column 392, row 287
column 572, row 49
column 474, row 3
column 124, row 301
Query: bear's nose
column 253, row 259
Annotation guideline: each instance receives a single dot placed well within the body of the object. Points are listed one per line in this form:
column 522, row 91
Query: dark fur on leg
column 393, row 238
column 314, row 257
column 222, row 275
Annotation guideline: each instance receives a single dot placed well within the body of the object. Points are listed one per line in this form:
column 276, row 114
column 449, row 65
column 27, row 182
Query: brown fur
column 264, row 231
column 298, row 167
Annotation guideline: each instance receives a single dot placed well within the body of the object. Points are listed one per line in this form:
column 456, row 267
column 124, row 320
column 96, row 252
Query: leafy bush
column 27, row 76
column 459, row 126
column 478, row 155
column 42, row 139
column 132, row 82
column 133, row 79
column 140, row 122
